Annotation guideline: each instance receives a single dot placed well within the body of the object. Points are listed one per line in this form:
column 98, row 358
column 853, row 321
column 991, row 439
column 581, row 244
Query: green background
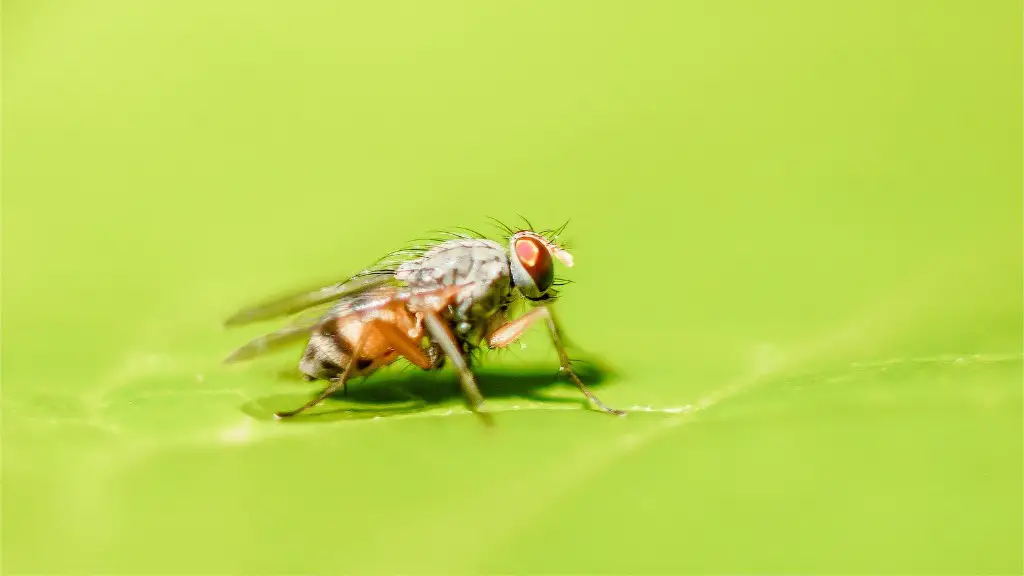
column 797, row 231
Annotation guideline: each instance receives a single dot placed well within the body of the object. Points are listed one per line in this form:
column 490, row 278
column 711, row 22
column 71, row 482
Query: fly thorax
column 478, row 302
column 481, row 269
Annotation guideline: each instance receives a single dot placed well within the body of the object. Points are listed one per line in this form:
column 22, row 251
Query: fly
column 443, row 300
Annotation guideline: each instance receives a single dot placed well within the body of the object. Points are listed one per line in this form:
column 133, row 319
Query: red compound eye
column 528, row 251
column 536, row 260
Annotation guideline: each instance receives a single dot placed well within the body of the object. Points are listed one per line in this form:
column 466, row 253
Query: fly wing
column 306, row 323
column 382, row 273
column 292, row 303
column 271, row 342
column 310, row 320
column 317, row 311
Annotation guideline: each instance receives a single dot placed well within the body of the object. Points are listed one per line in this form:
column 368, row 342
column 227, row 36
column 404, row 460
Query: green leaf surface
column 798, row 245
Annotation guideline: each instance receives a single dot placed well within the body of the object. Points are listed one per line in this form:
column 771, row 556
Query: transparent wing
column 315, row 312
column 270, row 342
column 306, row 323
column 382, row 273
column 311, row 319
column 292, row 303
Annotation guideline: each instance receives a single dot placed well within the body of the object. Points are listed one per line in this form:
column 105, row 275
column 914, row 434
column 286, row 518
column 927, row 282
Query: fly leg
column 509, row 333
column 394, row 337
column 401, row 343
column 334, row 386
column 444, row 338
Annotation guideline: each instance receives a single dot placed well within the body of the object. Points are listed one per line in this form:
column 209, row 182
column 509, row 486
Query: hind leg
column 340, row 383
column 394, row 338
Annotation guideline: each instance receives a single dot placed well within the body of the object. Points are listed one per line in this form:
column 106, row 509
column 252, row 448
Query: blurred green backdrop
column 797, row 227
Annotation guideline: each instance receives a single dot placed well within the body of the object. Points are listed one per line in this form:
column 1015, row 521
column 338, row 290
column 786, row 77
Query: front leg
column 509, row 333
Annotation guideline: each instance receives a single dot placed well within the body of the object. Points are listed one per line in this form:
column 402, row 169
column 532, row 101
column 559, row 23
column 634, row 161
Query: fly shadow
column 397, row 393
